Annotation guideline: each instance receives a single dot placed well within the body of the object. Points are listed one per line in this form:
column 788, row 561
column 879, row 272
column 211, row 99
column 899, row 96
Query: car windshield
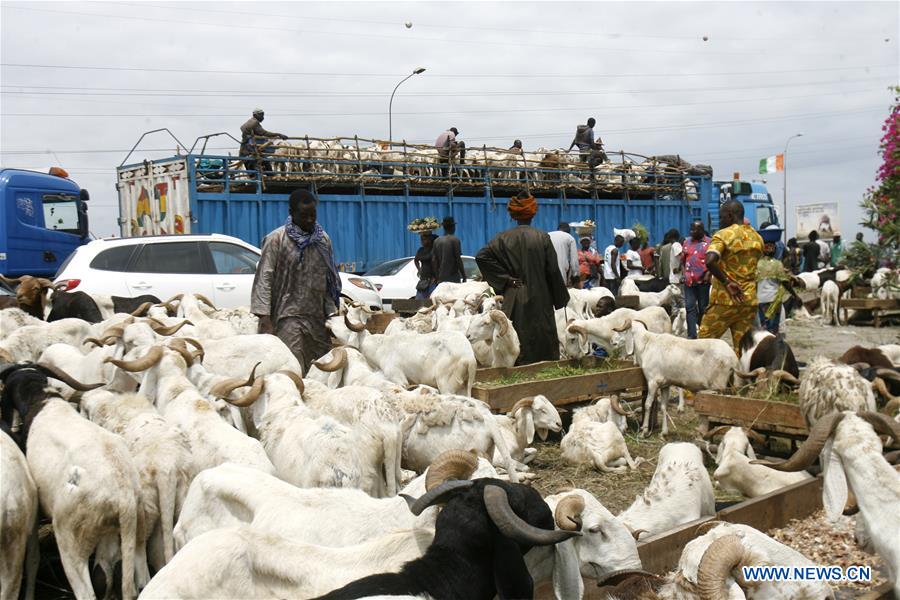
column 386, row 269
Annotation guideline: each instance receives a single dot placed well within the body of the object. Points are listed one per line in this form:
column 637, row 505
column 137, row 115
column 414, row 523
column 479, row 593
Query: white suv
column 220, row 267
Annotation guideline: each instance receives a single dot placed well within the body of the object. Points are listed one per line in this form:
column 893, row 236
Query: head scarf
column 522, row 208
column 317, row 239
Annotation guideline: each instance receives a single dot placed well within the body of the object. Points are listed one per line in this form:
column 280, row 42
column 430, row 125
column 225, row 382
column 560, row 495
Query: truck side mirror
column 84, row 195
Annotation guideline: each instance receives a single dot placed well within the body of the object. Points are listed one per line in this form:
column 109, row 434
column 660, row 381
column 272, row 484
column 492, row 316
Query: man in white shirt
column 633, row 259
column 612, row 266
column 566, row 253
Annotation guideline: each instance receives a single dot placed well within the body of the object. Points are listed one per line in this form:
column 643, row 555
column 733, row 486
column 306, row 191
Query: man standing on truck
column 732, row 258
column 297, row 284
column 253, row 134
column 448, row 252
column 520, row 263
column 447, row 147
column 589, row 150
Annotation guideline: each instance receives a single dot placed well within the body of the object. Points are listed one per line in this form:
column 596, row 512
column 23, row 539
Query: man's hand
column 734, row 289
column 265, row 324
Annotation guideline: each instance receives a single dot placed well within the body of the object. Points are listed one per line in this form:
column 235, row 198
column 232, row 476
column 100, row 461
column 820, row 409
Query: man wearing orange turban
column 520, row 263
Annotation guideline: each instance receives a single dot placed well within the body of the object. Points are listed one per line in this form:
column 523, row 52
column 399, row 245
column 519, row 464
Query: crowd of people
column 732, row 280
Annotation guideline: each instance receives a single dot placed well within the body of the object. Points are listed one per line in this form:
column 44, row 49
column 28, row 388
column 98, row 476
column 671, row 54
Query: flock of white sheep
column 198, row 453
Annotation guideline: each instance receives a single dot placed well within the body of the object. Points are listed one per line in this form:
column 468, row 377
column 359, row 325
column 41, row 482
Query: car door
column 168, row 268
column 235, row 267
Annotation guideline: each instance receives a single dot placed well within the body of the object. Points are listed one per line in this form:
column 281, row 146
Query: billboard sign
column 821, row 217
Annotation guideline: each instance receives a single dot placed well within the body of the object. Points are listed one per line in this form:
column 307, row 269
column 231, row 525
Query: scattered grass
column 617, row 490
column 548, row 373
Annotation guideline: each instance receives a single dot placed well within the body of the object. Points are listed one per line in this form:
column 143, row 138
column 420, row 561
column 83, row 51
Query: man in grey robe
column 520, row 263
column 297, row 285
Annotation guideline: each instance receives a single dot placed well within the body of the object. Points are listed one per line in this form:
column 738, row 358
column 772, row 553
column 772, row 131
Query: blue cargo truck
column 367, row 201
column 758, row 206
column 42, row 221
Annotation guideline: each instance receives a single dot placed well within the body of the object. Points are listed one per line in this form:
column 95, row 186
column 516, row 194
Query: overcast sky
column 82, row 80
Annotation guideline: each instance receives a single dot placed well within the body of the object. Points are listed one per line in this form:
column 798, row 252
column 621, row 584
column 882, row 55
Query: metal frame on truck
column 370, row 192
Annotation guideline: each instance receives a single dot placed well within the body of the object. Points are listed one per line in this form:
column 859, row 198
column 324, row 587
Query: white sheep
column 571, row 345
column 679, row 492
column 27, row 343
column 231, row 495
column 828, row 387
column 244, row 562
column 602, row 330
column 528, row 416
column 212, row 441
column 18, row 521
column 830, row 297
column 851, row 455
column 600, row 445
column 444, row 360
column 667, row 360
column 493, row 336
column 451, row 292
column 605, row 409
column 671, row 294
column 162, row 457
column 679, row 323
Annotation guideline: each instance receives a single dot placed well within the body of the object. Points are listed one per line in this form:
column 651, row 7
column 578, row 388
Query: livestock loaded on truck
column 370, row 190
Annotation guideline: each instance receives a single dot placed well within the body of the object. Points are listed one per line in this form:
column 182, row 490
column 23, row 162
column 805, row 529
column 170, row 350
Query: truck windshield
column 765, row 214
column 61, row 212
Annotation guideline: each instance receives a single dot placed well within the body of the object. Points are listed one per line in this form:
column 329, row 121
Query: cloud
column 497, row 71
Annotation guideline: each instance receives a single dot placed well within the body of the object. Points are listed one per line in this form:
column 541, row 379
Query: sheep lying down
column 597, row 444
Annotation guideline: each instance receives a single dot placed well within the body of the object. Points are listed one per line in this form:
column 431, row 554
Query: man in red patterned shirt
column 696, row 277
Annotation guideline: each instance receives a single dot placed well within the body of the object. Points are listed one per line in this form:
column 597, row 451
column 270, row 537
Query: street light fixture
column 784, row 189
column 417, row 71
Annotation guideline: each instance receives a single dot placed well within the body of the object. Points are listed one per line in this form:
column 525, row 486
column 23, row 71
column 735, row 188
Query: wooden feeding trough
column 660, row 553
column 776, row 418
column 879, row 307
column 621, row 376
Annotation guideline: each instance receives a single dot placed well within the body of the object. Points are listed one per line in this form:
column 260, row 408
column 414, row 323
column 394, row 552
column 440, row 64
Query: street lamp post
column 391, row 103
column 784, row 189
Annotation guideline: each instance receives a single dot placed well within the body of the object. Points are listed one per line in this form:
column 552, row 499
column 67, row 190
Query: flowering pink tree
column 881, row 203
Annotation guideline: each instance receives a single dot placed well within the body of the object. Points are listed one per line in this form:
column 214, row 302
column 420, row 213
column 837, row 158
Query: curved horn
column 625, row 326
column 755, row 373
column 104, row 342
column 890, row 374
column 719, row 559
column 498, row 299
column 163, row 330
column 810, row 449
column 636, row 533
column 200, row 351
column 616, row 577
column 522, row 403
column 568, row 513
column 338, row 361
column 714, row 432
column 581, row 331
column 782, row 375
column 450, row 465
column 141, row 310
column 356, row 327
column 511, row 525
column 499, row 317
column 252, row 394
column 226, row 386
column 205, row 301
column 175, row 298
column 70, row 381
column 883, row 424
column 298, row 381
column 438, row 495
column 181, row 349
column 11, row 280
column 859, row 366
column 759, row 439
column 892, row 405
column 614, row 404
column 705, row 528
column 141, row 364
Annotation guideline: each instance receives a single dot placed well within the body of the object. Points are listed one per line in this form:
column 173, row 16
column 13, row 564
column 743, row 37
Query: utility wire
column 432, row 75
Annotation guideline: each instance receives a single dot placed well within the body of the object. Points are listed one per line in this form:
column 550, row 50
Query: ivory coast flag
column 773, row 164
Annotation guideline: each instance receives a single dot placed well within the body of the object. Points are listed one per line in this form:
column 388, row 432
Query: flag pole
column 784, row 189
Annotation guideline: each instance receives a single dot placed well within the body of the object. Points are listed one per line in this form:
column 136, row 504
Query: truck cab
column 758, row 206
column 42, row 220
